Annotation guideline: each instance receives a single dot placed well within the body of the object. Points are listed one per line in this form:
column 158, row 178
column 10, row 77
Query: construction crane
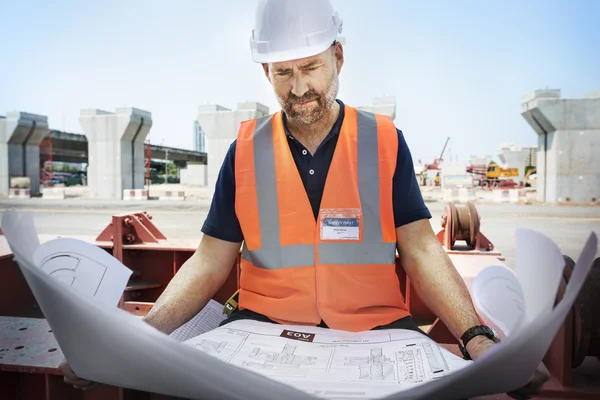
column 438, row 161
column 435, row 166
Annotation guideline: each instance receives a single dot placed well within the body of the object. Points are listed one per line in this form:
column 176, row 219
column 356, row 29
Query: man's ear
column 266, row 70
column 338, row 54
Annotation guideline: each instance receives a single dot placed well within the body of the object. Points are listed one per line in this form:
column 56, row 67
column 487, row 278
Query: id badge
column 340, row 224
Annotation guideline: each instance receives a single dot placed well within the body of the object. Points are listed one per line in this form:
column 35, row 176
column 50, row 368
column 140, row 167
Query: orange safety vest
column 340, row 268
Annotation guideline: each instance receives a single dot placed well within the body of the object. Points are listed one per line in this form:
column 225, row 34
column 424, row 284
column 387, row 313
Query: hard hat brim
column 291, row 54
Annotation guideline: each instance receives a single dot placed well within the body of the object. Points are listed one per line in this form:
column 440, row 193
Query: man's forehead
column 299, row 63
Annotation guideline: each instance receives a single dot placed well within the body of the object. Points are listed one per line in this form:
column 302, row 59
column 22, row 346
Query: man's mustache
column 308, row 96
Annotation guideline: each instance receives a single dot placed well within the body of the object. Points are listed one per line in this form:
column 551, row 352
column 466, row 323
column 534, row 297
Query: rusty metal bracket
column 130, row 228
column 136, row 228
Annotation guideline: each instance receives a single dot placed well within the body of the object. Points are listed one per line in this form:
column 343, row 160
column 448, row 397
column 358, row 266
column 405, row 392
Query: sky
column 457, row 69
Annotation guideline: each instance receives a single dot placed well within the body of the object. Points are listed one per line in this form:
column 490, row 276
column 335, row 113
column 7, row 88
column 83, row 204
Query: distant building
column 199, row 138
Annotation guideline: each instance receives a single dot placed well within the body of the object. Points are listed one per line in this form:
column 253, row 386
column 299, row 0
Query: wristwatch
column 471, row 333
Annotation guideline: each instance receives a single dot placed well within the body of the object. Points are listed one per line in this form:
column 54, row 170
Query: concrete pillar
column 514, row 157
column 382, row 105
column 115, row 150
column 221, row 126
column 20, row 137
column 568, row 161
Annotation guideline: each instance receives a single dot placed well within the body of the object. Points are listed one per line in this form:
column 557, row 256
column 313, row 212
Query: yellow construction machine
column 493, row 175
column 495, row 171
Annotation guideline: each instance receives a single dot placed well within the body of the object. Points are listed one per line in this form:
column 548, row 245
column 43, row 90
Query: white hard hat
column 290, row 29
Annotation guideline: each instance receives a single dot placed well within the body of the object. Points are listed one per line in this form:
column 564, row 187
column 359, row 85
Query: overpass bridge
column 73, row 148
column 114, row 147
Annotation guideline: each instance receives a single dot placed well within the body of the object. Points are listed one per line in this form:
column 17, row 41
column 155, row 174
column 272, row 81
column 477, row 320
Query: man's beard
column 310, row 113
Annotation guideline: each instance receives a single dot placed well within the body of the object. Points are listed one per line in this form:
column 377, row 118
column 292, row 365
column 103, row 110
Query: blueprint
column 86, row 268
column 329, row 363
column 262, row 361
column 206, row 320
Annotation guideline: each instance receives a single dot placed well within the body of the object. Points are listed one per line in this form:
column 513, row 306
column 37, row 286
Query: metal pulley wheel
column 464, row 223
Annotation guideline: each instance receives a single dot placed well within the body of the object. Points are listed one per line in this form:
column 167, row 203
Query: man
column 321, row 196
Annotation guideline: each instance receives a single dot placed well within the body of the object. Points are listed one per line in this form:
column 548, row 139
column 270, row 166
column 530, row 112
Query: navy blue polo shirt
column 222, row 221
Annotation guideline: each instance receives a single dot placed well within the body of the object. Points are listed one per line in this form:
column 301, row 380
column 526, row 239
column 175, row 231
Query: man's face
column 307, row 88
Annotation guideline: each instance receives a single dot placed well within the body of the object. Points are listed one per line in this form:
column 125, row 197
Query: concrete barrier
column 19, row 193
column 172, row 195
column 509, row 195
column 135, row 194
column 53, row 193
column 459, row 195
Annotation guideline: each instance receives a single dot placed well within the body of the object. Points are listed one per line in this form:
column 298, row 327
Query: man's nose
column 299, row 86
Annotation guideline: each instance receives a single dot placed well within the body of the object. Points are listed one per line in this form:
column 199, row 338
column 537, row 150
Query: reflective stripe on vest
column 272, row 255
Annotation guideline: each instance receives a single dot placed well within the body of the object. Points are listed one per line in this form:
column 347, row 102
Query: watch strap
column 473, row 332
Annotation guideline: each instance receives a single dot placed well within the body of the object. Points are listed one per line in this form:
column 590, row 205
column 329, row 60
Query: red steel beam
column 155, row 260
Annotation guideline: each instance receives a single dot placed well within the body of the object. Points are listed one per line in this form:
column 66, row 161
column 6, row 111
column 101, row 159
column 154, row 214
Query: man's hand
column 478, row 346
column 194, row 284
column 187, row 293
column 444, row 292
column 72, row 379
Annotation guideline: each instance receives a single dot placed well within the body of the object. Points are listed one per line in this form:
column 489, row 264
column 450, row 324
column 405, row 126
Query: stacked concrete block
column 568, row 165
column 221, row 126
column 20, row 137
column 115, row 150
